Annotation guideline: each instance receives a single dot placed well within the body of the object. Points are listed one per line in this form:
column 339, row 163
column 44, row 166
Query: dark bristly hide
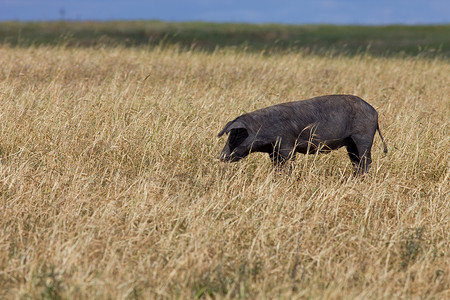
column 319, row 124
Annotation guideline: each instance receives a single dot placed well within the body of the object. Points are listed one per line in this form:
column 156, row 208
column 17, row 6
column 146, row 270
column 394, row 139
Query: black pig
column 319, row 124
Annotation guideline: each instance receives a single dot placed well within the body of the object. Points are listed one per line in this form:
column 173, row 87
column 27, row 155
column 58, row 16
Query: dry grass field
column 110, row 187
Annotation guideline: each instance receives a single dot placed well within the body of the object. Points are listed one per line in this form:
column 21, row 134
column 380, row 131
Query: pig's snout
column 228, row 157
column 223, row 157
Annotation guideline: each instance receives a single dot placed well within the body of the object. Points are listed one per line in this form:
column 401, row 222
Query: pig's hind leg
column 359, row 152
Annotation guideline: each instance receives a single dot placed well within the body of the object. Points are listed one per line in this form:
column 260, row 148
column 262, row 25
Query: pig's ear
column 231, row 125
column 237, row 136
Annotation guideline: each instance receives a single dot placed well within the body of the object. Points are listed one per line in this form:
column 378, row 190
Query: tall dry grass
column 110, row 187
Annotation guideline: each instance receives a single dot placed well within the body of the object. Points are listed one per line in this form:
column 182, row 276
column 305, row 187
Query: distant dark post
column 62, row 13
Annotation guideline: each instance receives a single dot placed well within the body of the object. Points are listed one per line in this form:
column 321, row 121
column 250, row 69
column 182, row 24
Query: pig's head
column 239, row 142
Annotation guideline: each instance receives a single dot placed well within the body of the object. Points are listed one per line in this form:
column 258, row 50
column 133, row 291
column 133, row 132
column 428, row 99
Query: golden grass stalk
column 110, row 186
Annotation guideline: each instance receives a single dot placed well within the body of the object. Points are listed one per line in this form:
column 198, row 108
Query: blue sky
column 248, row 11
